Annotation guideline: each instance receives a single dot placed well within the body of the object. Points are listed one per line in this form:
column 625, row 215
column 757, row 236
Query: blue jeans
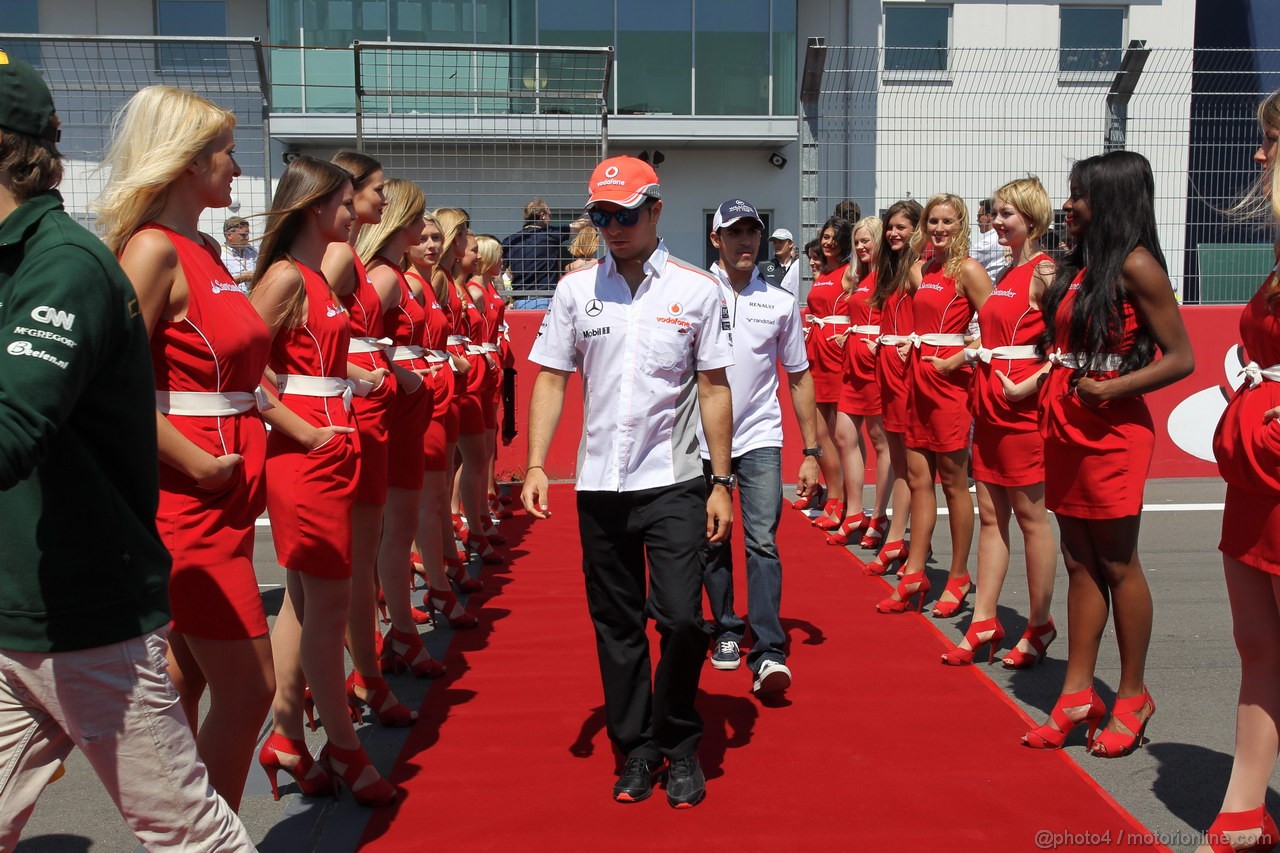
column 759, row 474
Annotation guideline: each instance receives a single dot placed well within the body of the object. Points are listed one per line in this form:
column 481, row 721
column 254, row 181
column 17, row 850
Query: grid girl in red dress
column 1247, row 447
column 172, row 159
column 1103, row 325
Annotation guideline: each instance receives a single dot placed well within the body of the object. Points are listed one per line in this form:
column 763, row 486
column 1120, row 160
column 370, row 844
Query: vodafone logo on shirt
column 674, row 309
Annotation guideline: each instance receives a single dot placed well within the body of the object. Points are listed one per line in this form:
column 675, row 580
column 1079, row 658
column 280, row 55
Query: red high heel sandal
column 403, row 650
column 1241, row 823
column 947, row 609
column 480, row 544
column 417, row 570
column 960, row 656
column 444, row 602
column 813, row 499
column 309, row 708
column 354, row 761
column 492, row 535
column 1112, row 744
column 919, row 583
column 1048, row 737
column 311, row 786
column 457, row 574
column 832, row 516
column 874, row 533
column 881, row 564
column 1017, row 659
column 851, row 526
column 377, row 692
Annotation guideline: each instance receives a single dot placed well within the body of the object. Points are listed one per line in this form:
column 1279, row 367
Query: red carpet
column 877, row 746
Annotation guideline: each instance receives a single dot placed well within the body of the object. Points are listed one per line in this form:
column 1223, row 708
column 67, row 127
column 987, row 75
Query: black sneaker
column 728, row 655
column 636, row 782
column 686, row 786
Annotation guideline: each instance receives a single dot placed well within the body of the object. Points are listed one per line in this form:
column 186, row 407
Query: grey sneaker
column 773, row 677
column 727, row 655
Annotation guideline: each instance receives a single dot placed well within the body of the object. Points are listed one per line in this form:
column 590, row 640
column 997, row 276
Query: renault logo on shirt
column 594, row 307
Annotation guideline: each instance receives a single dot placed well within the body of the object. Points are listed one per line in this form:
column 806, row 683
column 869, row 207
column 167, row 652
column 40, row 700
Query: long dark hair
column 892, row 268
column 306, row 181
column 1120, row 190
column 843, row 230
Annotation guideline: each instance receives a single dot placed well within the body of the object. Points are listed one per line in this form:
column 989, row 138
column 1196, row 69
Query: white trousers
column 117, row 705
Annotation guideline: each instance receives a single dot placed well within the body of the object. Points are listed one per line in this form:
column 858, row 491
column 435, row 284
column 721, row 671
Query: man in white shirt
column 238, row 254
column 766, row 331
column 650, row 335
column 986, row 248
column 782, row 269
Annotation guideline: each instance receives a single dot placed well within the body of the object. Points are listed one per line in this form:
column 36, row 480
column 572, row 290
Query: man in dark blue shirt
column 535, row 255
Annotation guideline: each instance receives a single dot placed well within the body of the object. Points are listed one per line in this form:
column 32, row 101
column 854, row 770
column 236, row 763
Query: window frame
column 1091, row 75
column 910, row 75
column 219, row 64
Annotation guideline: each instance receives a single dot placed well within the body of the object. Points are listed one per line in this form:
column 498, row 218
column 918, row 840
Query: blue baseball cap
column 733, row 210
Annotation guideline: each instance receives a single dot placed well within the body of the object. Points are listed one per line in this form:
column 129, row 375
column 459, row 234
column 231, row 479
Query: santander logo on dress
column 1193, row 421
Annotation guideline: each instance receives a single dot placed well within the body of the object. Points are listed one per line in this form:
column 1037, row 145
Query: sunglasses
column 625, row 218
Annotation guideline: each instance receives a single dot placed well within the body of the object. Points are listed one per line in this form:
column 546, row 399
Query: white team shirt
column 766, row 330
column 638, row 356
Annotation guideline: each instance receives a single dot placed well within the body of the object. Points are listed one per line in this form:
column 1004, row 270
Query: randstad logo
column 53, row 317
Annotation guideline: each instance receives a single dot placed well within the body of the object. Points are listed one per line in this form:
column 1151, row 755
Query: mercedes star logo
column 594, row 307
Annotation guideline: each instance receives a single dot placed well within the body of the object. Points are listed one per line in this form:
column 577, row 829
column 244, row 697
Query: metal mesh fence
column 487, row 128
column 981, row 117
column 91, row 77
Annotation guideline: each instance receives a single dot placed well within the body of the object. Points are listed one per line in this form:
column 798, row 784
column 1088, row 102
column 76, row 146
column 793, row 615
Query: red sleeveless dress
column 1096, row 458
column 221, row 345
column 457, row 330
column 410, row 410
column 1248, row 451
column 372, row 411
column 860, row 389
column 495, row 311
column 826, row 357
column 471, row 403
column 310, row 492
column 1007, row 447
column 940, row 418
column 438, row 329
column 892, row 371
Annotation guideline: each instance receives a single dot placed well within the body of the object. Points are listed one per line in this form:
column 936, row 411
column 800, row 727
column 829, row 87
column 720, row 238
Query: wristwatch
column 813, row 451
column 730, row 482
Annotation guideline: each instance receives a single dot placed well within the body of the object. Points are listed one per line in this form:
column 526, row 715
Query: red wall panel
column 1185, row 413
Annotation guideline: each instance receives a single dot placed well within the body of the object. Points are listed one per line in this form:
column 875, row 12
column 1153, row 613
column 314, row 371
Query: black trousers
column 648, row 717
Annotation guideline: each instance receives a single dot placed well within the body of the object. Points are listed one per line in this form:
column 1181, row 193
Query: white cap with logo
column 781, row 234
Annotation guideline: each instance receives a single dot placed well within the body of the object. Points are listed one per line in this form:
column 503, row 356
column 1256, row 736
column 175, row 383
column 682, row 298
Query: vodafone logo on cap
column 611, row 172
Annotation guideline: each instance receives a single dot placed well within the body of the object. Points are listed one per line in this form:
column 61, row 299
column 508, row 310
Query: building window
column 22, row 16
column 195, row 18
column 1090, row 38
column 916, row 37
column 655, row 48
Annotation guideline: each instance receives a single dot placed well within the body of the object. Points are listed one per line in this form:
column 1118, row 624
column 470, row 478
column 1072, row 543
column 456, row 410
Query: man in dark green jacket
column 83, row 573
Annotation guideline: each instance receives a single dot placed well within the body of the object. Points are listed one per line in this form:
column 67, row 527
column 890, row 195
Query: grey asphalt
column 1173, row 786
